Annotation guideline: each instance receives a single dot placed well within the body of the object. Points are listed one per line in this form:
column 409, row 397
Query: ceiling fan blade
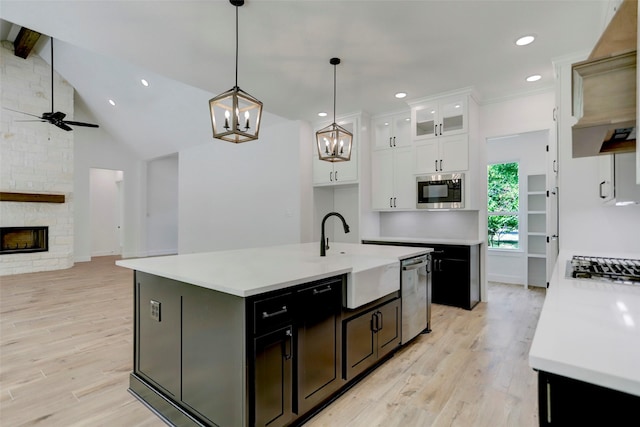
column 89, row 125
column 62, row 125
column 57, row 116
column 29, row 120
column 22, row 112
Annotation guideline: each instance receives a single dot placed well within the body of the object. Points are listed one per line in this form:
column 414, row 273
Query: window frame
column 517, row 213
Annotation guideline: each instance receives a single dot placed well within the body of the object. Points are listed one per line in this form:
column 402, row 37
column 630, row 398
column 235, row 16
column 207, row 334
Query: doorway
column 106, row 188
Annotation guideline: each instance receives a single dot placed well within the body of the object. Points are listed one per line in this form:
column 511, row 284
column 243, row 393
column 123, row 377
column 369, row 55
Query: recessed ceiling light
column 457, row 106
column 322, row 114
column 401, row 95
column 534, row 78
column 386, row 123
column 112, row 102
column 525, row 40
column 144, row 82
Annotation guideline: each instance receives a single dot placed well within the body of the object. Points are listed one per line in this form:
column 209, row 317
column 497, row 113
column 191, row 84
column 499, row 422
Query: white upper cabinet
column 392, row 131
column 439, row 117
column 446, row 154
column 392, row 180
column 336, row 173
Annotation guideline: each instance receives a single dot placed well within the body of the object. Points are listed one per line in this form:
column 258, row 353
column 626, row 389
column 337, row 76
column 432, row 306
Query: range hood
column 604, row 89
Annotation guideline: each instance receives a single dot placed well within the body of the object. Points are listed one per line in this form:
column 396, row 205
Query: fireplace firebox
column 23, row 240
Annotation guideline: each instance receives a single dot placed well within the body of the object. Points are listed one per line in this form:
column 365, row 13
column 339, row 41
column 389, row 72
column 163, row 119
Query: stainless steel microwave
column 443, row 191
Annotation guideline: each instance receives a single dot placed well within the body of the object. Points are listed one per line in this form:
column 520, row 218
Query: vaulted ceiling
column 186, row 50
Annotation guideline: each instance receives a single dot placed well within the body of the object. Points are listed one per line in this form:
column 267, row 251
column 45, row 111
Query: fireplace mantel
column 31, row 197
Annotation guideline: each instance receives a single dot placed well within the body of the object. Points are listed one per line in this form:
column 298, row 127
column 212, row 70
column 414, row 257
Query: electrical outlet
column 155, row 310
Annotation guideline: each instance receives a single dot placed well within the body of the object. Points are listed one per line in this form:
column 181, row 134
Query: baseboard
column 503, row 278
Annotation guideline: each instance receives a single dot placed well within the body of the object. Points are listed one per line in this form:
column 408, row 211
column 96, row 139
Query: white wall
column 95, row 148
column 586, row 226
column 162, row 206
column 529, row 150
column 241, row 195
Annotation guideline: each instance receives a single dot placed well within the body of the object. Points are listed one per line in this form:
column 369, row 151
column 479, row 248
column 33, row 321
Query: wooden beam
column 25, row 42
column 31, row 197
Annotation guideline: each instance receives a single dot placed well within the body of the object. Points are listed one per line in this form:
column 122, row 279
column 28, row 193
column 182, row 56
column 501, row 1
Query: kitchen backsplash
column 437, row 225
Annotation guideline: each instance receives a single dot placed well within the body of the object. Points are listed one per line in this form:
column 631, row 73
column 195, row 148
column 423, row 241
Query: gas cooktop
column 617, row 270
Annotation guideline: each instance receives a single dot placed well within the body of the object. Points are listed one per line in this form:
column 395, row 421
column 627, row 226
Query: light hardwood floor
column 66, row 354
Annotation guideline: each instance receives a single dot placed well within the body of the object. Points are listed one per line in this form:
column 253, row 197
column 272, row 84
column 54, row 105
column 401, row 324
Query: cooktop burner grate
column 622, row 270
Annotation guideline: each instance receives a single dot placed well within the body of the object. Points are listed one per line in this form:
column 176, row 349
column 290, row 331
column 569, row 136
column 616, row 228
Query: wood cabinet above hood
column 604, row 89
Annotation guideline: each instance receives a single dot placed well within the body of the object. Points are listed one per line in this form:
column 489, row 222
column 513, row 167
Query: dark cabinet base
column 567, row 402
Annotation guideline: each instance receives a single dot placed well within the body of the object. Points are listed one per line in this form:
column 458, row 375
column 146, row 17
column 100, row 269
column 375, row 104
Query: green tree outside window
column 503, row 205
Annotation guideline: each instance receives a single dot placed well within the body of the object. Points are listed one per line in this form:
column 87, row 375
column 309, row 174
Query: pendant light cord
column 52, row 75
column 334, row 92
column 236, row 45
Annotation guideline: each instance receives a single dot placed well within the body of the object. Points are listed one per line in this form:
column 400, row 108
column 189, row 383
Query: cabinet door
column 454, row 152
column 158, row 315
column 451, row 282
column 402, row 130
column 453, row 116
column 427, row 157
column 359, row 345
column 382, row 179
column 322, row 171
column 383, row 133
column 388, row 327
column 318, row 335
column 424, row 120
column 404, row 181
column 274, row 378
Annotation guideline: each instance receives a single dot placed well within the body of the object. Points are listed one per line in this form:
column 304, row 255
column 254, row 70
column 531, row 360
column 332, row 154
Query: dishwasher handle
column 416, row 265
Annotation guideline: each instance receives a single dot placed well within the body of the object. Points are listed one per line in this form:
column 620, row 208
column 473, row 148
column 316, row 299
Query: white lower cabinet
column 335, row 172
column 444, row 154
column 392, row 179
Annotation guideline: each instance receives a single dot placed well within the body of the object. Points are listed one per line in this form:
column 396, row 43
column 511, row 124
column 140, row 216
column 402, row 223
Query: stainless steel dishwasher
column 416, row 296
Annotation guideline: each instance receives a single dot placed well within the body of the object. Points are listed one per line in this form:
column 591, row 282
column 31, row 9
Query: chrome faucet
column 323, row 246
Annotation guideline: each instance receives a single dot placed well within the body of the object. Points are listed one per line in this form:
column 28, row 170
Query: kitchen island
column 263, row 335
column 586, row 350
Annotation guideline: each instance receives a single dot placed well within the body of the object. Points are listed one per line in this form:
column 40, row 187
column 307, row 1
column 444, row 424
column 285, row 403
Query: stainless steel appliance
column 443, row 191
column 416, row 296
column 615, row 270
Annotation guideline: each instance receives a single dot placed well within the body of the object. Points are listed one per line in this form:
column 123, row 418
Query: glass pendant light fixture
column 334, row 141
column 235, row 115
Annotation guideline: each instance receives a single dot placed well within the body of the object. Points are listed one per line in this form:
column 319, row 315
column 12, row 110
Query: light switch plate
column 155, row 310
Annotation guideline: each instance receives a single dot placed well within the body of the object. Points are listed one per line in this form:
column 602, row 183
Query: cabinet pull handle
column 394, row 203
column 322, row 291
column 287, row 345
column 600, row 190
column 555, row 163
column 330, row 176
column 436, row 162
column 266, row 315
column 440, row 128
column 335, row 175
column 381, row 325
column 440, row 165
column 390, row 202
column 390, row 143
column 548, row 403
column 394, row 141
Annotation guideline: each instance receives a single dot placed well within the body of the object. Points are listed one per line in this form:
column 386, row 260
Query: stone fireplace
column 15, row 240
column 36, row 169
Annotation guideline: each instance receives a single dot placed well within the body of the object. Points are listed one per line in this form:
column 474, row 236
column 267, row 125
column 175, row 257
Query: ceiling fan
column 55, row 118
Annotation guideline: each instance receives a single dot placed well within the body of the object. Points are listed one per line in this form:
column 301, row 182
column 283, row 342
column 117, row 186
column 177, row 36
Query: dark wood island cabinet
column 207, row 358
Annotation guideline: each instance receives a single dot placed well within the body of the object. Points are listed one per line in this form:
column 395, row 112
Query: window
column 503, row 205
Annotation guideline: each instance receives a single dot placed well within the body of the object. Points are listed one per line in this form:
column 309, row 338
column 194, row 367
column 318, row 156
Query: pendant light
column 235, row 115
column 334, row 142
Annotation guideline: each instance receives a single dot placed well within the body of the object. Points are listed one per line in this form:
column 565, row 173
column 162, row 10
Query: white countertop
column 247, row 272
column 589, row 331
column 462, row 242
